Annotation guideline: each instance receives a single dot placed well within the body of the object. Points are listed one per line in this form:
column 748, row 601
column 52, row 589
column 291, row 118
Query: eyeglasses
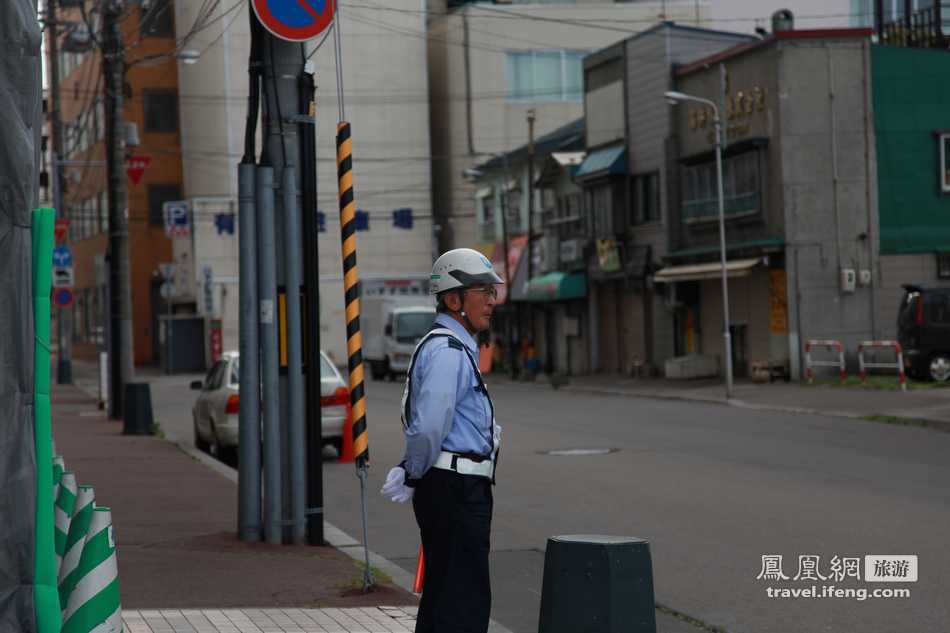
column 487, row 291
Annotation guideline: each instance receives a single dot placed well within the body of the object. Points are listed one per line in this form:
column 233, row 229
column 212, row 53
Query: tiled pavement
column 356, row 620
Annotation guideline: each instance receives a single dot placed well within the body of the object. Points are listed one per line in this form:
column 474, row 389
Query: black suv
column 923, row 330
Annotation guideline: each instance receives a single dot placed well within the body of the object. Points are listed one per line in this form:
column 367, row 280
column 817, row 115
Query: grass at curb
column 876, row 383
column 379, row 576
column 899, row 421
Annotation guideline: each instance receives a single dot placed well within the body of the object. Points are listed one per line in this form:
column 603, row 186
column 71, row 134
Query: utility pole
column 530, row 117
column 120, row 303
column 285, row 517
column 64, row 372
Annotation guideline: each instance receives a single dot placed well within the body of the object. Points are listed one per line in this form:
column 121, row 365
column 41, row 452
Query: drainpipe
column 466, row 50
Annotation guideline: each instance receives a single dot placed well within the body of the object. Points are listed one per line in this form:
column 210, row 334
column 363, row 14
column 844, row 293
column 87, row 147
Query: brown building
column 151, row 105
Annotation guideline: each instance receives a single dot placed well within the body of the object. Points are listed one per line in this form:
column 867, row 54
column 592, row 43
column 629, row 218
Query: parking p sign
column 175, row 214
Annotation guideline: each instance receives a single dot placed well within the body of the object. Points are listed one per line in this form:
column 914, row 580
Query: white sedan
column 215, row 412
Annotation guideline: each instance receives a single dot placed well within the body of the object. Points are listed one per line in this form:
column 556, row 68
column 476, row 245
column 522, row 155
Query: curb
column 929, row 423
column 334, row 536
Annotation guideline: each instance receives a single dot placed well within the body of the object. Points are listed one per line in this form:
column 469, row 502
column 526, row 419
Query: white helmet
column 460, row 268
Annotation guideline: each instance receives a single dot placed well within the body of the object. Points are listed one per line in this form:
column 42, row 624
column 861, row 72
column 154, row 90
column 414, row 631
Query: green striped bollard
column 59, row 466
column 65, row 504
column 94, row 603
column 75, row 539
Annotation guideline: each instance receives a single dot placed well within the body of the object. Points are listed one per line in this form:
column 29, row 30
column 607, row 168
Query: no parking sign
column 295, row 20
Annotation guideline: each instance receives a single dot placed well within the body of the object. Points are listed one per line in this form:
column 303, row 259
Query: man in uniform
column 451, row 448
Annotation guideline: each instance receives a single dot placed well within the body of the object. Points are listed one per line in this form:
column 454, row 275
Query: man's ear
column 453, row 302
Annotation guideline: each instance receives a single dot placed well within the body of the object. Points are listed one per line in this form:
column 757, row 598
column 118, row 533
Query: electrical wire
column 337, row 37
column 332, row 27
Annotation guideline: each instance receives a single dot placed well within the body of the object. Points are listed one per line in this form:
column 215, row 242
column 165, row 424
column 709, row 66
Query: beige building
column 386, row 97
column 489, row 64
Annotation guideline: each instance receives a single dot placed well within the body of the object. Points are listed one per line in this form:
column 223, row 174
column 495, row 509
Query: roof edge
column 801, row 34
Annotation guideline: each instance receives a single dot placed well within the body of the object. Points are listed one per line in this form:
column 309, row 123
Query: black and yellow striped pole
column 351, row 278
column 354, row 342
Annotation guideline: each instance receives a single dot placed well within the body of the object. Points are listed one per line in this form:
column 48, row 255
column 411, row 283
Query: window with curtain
column 599, row 203
column 741, row 188
column 645, row 198
column 544, row 75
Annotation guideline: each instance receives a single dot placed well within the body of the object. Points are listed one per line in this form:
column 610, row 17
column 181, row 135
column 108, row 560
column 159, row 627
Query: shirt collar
column 460, row 332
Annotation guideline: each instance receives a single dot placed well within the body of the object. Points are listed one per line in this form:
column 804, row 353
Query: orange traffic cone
column 346, row 452
column 420, row 572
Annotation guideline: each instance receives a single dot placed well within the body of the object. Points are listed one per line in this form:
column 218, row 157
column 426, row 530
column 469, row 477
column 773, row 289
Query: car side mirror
column 388, row 330
column 196, row 385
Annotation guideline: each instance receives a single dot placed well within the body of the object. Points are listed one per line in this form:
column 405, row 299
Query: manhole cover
column 579, row 451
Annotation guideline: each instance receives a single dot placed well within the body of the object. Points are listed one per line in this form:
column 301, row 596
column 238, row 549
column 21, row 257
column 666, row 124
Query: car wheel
column 939, row 367
column 374, row 370
column 200, row 444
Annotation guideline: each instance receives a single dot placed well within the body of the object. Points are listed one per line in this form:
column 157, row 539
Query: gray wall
column 817, row 244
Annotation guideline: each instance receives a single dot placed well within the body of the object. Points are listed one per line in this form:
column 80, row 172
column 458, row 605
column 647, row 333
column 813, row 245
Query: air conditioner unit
column 569, row 251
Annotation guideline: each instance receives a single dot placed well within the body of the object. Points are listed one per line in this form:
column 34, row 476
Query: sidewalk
column 175, row 524
column 929, row 407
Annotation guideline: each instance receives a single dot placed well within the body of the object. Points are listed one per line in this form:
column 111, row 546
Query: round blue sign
column 295, row 20
column 63, row 297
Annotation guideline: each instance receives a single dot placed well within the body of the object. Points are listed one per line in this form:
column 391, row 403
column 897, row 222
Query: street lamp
column 674, row 98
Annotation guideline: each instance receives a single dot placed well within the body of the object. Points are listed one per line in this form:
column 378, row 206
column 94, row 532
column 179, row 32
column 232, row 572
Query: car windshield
column 411, row 326
column 326, row 370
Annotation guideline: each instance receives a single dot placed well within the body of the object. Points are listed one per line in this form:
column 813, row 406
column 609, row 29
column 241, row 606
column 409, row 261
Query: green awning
column 608, row 161
column 557, row 287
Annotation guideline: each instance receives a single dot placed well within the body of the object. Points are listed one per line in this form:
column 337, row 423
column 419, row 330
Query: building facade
column 626, row 185
column 800, row 199
column 490, row 63
column 386, row 102
column 912, row 144
column 150, row 106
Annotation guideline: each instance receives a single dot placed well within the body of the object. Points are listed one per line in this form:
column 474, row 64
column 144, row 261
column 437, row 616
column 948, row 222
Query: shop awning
column 711, row 270
column 607, row 161
column 557, row 286
column 516, row 246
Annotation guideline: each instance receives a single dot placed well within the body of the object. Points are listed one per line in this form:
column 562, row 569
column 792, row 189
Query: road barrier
column 94, row 603
column 824, row 344
column 63, row 514
column 76, row 539
column 898, row 365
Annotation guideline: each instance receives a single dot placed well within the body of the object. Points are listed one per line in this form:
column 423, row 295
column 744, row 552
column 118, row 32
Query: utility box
column 848, row 279
column 185, row 351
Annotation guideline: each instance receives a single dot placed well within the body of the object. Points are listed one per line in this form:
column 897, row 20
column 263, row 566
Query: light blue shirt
column 447, row 411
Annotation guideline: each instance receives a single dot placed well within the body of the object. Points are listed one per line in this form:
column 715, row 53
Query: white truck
column 391, row 325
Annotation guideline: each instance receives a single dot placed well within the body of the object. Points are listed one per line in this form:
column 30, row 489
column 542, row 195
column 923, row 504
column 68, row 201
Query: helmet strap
column 463, row 314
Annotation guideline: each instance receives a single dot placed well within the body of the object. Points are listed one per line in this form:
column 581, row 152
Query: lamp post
column 675, row 98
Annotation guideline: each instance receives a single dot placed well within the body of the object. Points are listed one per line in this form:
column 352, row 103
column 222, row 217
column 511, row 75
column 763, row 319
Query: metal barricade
column 824, row 344
column 899, row 365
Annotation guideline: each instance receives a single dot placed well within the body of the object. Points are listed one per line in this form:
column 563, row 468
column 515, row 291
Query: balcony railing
column 735, row 206
column 925, row 28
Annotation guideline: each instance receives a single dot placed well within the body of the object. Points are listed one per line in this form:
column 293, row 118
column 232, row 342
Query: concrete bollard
column 597, row 584
column 94, row 603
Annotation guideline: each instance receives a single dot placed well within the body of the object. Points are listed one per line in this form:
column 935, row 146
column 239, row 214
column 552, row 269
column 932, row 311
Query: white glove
column 395, row 487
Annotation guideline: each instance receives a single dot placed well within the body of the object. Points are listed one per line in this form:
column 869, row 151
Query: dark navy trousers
column 454, row 515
